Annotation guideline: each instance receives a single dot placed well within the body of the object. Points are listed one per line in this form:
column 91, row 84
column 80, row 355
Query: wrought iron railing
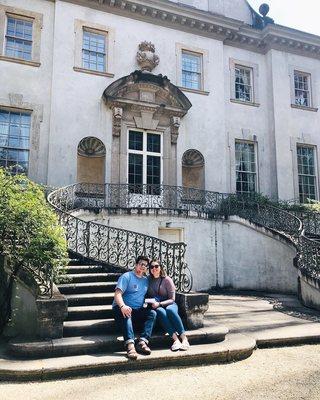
column 119, row 247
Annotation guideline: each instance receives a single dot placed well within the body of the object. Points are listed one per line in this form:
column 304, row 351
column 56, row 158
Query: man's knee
column 152, row 314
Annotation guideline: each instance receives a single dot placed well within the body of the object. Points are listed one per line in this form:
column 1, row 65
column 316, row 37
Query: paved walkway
column 269, row 319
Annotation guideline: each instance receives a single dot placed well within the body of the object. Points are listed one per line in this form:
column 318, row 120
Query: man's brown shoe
column 143, row 348
column 131, row 352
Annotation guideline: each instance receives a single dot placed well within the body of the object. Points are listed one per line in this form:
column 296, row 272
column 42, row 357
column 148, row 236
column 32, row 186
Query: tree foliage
column 30, row 235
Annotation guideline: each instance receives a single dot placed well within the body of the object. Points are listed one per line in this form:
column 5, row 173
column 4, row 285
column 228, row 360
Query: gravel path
column 270, row 374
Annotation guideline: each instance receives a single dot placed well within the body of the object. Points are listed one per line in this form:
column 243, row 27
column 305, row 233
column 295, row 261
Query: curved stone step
column 89, row 277
column 87, row 299
column 235, row 347
column 91, row 287
column 111, row 342
column 83, row 269
column 89, row 312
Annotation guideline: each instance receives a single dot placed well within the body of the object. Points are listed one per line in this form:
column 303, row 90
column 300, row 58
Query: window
column 144, row 161
column 243, row 83
column 191, row 70
column 306, row 173
column 302, row 89
column 94, row 51
column 246, row 175
column 19, row 38
column 14, row 141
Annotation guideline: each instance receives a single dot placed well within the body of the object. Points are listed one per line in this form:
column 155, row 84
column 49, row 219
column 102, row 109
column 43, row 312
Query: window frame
column 108, row 33
column 315, row 176
column 256, row 173
column 254, row 74
column 204, row 54
column 7, row 12
column 246, row 69
column 313, row 96
column 200, row 73
column 145, row 153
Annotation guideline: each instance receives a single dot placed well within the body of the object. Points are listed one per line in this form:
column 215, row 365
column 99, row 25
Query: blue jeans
column 170, row 319
column 140, row 316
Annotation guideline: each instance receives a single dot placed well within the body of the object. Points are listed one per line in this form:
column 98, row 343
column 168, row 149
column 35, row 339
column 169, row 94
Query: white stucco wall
column 310, row 292
column 256, row 259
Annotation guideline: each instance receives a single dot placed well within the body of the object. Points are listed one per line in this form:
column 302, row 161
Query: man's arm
column 126, row 310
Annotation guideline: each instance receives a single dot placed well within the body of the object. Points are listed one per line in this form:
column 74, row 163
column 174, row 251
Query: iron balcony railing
column 119, row 247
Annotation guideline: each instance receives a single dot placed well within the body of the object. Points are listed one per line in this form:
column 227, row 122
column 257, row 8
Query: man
column 128, row 308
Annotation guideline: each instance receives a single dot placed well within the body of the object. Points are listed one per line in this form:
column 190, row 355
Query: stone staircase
column 90, row 327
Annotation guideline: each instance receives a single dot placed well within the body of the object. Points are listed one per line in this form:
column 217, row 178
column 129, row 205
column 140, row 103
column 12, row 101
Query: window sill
column 304, row 108
column 203, row 92
column 92, row 72
column 20, row 61
column 245, row 103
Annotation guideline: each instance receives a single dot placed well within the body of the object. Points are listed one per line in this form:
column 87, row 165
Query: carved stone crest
column 117, row 117
column 146, row 57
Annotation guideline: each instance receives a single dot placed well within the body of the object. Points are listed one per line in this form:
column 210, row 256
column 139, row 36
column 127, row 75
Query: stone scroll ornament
column 146, row 57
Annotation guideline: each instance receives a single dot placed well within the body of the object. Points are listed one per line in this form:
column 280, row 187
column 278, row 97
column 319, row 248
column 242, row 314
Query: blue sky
column 303, row 15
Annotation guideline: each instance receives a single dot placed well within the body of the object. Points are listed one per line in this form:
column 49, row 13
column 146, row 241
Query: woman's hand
column 156, row 305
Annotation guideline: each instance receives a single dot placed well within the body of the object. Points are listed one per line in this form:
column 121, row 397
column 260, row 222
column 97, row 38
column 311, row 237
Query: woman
column 162, row 289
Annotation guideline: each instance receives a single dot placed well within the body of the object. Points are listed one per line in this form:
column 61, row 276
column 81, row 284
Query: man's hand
column 126, row 311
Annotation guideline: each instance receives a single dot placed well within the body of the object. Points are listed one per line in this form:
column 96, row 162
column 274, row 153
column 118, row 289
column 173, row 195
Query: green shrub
column 30, row 235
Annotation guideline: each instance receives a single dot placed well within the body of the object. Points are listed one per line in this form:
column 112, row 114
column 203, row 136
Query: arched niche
column 193, row 175
column 91, row 160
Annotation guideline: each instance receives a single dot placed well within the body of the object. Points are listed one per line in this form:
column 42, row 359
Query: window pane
column 135, row 140
column 191, row 70
column 94, row 51
column 153, row 170
column 243, row 85
column 301, row 89
column 14, row 140
column 19, row 38
column 153, row 143
column 306, row 173
column 135, row 169
column 245, row 167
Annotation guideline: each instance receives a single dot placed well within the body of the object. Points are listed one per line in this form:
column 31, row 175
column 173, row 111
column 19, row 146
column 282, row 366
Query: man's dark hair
column 142, row 258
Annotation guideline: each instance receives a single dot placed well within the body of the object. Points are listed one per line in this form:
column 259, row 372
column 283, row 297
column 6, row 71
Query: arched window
column 91, row 160
column 193, row 169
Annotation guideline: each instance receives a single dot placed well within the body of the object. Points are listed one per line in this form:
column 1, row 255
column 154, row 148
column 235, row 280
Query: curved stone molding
column 91, row 147
column 192, row 158
column 146, row 57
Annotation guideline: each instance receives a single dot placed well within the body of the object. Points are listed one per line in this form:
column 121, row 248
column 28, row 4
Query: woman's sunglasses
column 155, row 266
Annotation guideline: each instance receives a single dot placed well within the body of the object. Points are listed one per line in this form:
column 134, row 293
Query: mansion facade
column 198, row 93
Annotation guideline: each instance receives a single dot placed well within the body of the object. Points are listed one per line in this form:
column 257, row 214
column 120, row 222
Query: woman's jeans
column 170, row 319
column 144, row 317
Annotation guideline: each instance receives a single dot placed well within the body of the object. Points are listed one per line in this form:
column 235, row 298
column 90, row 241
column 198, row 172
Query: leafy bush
column 30, row 235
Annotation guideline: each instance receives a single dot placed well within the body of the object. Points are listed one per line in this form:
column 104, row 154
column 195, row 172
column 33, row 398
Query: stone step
column 91, row 287
column 235, row 347
column 80, row 313
column 88, row 327
column 98, row 343
column 83, row 269
column 87, row 299
column 95, row 277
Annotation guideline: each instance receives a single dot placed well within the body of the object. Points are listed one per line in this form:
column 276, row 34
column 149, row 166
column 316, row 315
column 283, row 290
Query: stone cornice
column 231, row 32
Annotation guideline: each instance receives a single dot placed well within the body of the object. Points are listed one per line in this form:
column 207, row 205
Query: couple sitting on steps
column 130, row 308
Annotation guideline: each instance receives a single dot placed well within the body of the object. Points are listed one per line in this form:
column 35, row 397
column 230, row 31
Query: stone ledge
column 192, row 307
column 236, row 347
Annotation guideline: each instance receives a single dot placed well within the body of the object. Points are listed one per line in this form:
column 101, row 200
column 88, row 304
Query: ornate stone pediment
column 145, row 89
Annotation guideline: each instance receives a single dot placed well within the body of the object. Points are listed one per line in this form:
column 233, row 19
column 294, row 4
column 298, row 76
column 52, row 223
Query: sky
column 298, row 14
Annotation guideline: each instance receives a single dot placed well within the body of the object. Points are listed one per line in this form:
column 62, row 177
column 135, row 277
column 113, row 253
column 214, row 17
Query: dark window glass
column 153, row 143
column 135, row 140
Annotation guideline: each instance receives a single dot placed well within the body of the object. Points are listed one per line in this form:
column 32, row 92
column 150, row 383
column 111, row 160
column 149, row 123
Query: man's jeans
column 170, row 319
column 141, row 316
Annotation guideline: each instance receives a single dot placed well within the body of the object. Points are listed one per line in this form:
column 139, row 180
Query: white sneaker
column 176, row 345
column 185, row 345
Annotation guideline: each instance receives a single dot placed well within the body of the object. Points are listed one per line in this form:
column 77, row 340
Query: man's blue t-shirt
column 133, row 289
